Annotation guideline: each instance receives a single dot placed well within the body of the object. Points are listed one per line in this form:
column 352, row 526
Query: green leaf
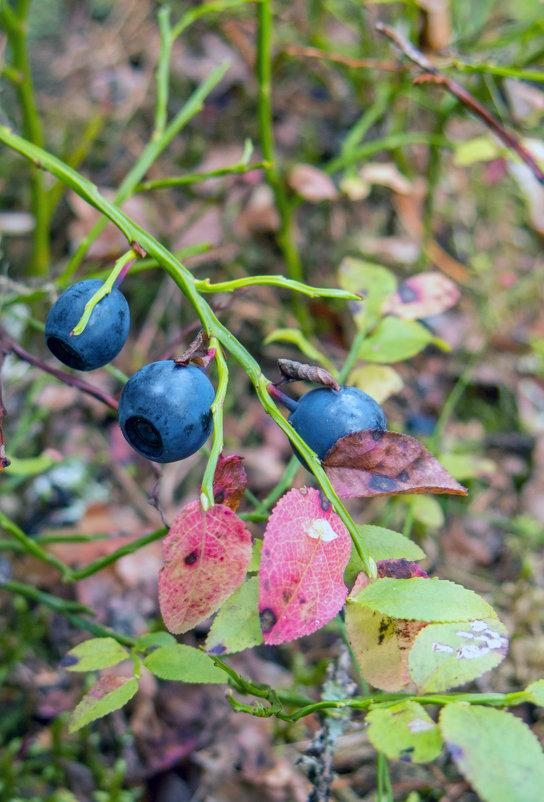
column 108, row 694
column 296, row 337
column 94, row 654
column 379, row 381
column 377, row 283
column 424, row 599
column 467, row 466
column 237, row 625
column 447, row 655
column 405, row 732
column 495, row 751
column 31, row 466
column 478, row 149
column 255, row 556
column 151, row 639
column 385, row 544
column 183, row 663
column 536, row 690
column 395, row 339
column 427, row 511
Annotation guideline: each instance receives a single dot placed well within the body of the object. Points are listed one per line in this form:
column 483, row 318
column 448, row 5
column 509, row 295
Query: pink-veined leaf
column 374, row 463
column 305, row 550
column 229, row 481
column 207, row 555
column 421, row 296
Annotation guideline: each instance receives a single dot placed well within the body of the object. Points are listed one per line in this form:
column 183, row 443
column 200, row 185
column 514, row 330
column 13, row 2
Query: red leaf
column 373, row 463
column 305, row 550
column 422, row 295
column 229, row 481
column 207, row 556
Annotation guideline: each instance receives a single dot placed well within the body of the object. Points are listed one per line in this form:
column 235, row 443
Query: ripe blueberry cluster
column 324, row 415
column 165, row 408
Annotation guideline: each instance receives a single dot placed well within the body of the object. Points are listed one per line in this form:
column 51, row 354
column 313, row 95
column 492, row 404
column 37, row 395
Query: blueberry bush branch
column 184, row 280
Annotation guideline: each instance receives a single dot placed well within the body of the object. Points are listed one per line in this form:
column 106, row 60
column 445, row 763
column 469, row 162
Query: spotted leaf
column 207, row 555
column 305, row 550
column 374, row 463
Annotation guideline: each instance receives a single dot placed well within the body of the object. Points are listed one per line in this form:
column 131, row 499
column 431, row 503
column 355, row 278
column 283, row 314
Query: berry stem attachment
column 120, row 269
column 206, row 494
column 278, row 395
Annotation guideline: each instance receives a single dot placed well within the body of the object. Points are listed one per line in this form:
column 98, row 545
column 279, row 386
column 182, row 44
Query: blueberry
column 324, row 415
column 164, row 410
column 102, row 338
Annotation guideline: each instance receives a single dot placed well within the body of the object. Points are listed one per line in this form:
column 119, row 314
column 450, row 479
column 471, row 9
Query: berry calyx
column 324, row 415
column 104, row 334
column 164, row 410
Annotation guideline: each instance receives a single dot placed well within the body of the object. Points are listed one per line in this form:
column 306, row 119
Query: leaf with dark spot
column 306, row 549
column 229, row 481
column 207, row 555
column 421, row 296
column 371, row 463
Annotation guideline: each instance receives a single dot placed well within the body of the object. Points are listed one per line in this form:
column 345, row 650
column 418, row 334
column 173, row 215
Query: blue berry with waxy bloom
column 103, row 336
column 164, row 410
column 323, row 415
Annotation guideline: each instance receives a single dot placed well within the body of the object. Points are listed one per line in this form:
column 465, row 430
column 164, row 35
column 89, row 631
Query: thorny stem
column 15, row 26
column 184, row 280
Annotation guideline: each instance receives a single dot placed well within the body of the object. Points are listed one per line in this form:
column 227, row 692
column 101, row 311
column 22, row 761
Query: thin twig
column 4, row 461
column 433, row 75
column 340, row 58
column 8, row 345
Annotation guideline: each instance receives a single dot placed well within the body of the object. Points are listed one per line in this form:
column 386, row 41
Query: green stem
column 15, row 26
column 278, row 281
column 98, row 630
column 286, row 239
column 53, row 602
column 196, row 178
column 207, row 494
column 30, row 547
column 128, row 548
column 150, row 154
column 104, row 290
column 184, row 280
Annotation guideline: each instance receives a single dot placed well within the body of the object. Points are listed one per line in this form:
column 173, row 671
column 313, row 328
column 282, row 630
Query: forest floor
column 381, row 170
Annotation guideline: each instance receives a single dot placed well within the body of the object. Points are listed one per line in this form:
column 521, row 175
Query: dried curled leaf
column 229, row 481
column 298, row 371
column 373, row 463
column 198, row 352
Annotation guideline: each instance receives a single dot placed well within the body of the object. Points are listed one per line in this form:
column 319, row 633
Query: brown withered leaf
column 373, row 463
column 229, row 481
column 298, row 371
column 198, row 352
